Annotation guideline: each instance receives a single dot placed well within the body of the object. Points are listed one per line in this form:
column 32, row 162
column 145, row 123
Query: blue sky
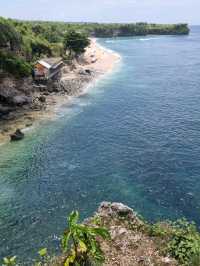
column 162, row 11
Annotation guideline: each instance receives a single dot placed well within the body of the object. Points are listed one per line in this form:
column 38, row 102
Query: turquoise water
column 134, row 138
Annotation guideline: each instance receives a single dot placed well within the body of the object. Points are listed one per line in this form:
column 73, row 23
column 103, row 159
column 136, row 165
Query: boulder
column 94, row 60
column 84, row 72
column 6, row 95
column 116, row 210
column 121, row 209
column 18, row 135
column 21, row 100
column 42, row 99
column 5, row 110
column 88, row 71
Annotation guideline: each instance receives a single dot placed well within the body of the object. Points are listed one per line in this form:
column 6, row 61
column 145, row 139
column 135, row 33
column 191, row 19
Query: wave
column 147, row 39
column 110, row 41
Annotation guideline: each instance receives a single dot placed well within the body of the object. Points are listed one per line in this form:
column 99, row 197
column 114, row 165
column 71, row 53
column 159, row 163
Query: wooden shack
column 47, row 68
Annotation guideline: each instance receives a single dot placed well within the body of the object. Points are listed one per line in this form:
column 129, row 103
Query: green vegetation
column 9, row 261
column 75, row 42
column 180, row 239
column 137, row 29
column 14, row 65
column 23, row 42
column 84, row 247
column 55, row 31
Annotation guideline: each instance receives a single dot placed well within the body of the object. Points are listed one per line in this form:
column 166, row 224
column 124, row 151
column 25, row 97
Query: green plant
column 43, row 253
column 180, row 239
column 194, row 260
column 75, row 42
column 185, row 241
column 9, row 261
column 14, row 65
column 96, row 220
column 84, row 245
column 159, row 229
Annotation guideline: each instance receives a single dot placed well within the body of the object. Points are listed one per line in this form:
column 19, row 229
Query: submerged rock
column 18, row 135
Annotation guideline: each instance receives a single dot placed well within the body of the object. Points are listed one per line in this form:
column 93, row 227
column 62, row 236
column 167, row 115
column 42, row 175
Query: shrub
column 181, row 240
column 15, row 65
column 185, row 242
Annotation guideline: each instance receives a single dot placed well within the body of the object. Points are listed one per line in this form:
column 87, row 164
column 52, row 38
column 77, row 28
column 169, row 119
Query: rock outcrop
column 15, row 94
column 130, row 244
column 18, row 135
column 21, row 97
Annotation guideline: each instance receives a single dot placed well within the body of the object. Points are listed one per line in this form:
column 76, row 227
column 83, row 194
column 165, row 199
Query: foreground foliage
column 180, row 239
column 84, row 247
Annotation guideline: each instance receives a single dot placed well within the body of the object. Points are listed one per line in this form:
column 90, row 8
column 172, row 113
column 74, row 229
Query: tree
column 75, row 42
column 14, row 65
column 9, row 36
column 84, row 244
column 40, row 46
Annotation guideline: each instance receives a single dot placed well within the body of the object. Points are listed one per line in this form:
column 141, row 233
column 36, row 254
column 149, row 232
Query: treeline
column 22, row 43
column 113, row 29
column 137, row 29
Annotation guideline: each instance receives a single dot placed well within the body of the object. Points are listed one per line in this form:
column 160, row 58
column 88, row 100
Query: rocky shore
column 22, row 102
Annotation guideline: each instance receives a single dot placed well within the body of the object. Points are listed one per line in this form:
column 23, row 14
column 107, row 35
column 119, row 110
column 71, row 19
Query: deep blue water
column 134, row 138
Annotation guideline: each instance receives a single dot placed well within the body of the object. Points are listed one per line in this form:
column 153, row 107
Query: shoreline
column 99, row 60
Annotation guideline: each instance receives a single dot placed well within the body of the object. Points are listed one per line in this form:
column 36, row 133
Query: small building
column 47, row 68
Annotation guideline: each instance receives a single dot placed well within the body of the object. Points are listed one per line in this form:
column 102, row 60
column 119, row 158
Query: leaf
column 65, row 240
column 82, row 246
column 13, row 259
column 73, row 218
column 70, row 259
column 10, row 261
column 42, row 252
column 103, row 232
column 6, row 260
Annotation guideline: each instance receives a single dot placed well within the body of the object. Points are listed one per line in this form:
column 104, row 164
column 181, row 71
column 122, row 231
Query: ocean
column 133, row 138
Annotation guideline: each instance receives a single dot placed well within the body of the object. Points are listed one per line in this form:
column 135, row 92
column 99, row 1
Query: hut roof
column 51, row 62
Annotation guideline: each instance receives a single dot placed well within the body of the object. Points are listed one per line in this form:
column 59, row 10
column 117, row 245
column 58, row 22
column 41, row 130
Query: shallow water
column 134, row 138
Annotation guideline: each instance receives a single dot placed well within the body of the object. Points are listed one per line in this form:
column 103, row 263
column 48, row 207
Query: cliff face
column 24, row 94
column 22, row 101
column 138, row 29
column 14, row 93
column 130, row 243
